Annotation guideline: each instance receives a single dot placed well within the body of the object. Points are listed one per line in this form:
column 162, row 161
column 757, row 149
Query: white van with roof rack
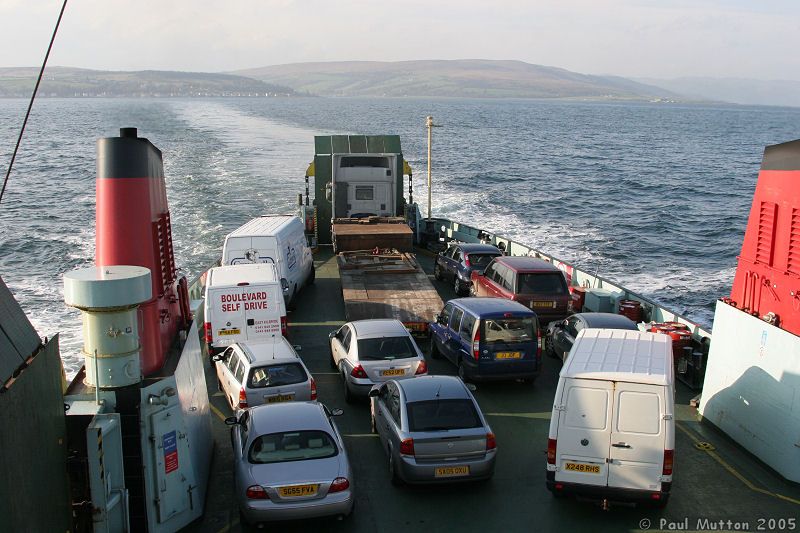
column 612, row 431
column 277, row 239
column 243, row 303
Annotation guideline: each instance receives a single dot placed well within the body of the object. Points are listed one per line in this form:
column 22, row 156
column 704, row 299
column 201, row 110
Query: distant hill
column 734, row 90
column 75, row 82
column 456, row 78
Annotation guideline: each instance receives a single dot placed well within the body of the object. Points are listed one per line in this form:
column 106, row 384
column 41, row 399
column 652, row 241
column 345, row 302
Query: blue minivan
column 488, row 338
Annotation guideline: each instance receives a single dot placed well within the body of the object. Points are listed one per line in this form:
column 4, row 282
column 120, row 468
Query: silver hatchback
column 290, row 463
column 432, row 430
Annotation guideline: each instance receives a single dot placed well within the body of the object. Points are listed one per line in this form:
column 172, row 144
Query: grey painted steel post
column 429, row 124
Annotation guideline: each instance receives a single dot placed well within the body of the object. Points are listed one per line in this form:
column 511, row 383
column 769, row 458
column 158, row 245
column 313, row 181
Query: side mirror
column 216, row 357
column 332, row 334
column 337, row 412
column 297, row 347
column 471, row 387
column 231, row 421
column 374, row 393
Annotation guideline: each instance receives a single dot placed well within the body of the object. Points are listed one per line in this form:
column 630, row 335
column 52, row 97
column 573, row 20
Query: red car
column 534, row 283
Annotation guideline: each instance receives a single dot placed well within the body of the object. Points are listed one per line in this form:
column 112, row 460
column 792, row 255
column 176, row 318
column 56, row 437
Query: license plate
column 297, row 491
column 229, row 332
column 393, row 372
column 452, row 471
column 582, row 467
column 508, row 355
column 279, row 398
column 544, row 304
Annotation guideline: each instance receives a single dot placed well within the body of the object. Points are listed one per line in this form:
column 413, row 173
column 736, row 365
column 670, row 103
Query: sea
column 654, row 196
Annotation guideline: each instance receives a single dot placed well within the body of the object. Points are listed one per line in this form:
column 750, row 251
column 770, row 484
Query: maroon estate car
column 534, row 283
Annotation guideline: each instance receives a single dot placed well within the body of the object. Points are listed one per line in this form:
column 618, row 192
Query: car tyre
column 372, row 426
column 548, row 347
column 348, row 395
column 437, row 272
column 435, row 353
column 472, row 291
column 462, row 373
column 331, row 360
column 312, row 276
column 396, row 481
column 457, row 286
column 219, row 385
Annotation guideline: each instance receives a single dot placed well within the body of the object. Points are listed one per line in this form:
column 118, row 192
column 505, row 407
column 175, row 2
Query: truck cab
column 364, row 185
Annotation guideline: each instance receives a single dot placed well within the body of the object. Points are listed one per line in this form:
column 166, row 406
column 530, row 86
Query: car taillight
column 256, row 492
column 358, row 372
column 422, row 368
column 407, row 447
column 242, row 399
column 476, row 344
column 491, row 442
column 466, row 260
column 209, row 334
column 551, row 451
column 539, row 342
column 668, row 459
column 284, row 326
column 313, row 389
column 339, row 484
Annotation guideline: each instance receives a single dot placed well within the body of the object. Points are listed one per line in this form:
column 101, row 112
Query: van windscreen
column 541, row 283
column 508, row 330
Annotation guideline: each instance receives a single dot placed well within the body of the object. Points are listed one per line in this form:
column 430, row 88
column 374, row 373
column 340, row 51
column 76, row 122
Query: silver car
column 290, row 463
column 432, row 430
column 367, row 352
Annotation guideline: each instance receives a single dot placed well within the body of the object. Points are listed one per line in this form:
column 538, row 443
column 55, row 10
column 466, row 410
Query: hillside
column 74, row 82
column 734, row 90
column 457, row 78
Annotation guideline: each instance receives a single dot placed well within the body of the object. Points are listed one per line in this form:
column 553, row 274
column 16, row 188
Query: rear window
column 481, row 260
column 439, row 415
column 277, row 375
column 382, row 348
column 541, row 283
column 291, row 446
column 507, row 330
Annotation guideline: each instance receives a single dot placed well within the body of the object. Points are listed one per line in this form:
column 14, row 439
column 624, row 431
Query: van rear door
column 638, row 435
column 584, row 431
column 227, row 315
column 263, row 308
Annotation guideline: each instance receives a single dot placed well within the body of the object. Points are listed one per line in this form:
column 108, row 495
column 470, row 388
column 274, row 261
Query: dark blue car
column 459, row 260
column 488, row 338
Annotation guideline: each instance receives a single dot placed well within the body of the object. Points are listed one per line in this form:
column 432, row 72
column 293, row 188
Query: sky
column 755, row 39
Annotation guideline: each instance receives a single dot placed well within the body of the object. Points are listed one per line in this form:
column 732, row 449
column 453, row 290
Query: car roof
column 607, row 320
column 289, row 416
column 478, row 247
column 378, row 327
column 523, row 263
column 620, row 355
column 486, row 305
column 425, row 388
column 267, row 350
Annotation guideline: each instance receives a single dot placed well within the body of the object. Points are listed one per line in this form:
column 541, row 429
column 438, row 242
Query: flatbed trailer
column 386, row 283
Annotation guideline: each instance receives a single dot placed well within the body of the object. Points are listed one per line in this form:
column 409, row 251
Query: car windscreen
column 383, row 348
column 291, row 446
column 480, row 260
column 276, row 375
column 508, row 330
column 440, row 415
column 545, row 283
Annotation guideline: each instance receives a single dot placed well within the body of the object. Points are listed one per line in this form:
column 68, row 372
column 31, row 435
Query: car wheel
column 219, row 385
column 457, row 286
column 312, row 276
column 348, row 396
column 437, row 272
column 548, row 347
column 372, row 427
column 472, row 291
column 435, row 353
column 332, row 361
column 396, row 481
column 462, row 373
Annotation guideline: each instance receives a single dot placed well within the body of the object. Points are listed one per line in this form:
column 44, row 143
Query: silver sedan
column 290, row 463
column 367, row 352
column 432, row 430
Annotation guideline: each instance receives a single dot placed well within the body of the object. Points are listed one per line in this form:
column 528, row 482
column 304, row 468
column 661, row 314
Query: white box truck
column 243, row 303
column 612, row 431
column 276, row 239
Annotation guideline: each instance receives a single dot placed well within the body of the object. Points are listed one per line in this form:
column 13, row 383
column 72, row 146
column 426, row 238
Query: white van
column 243, row 303
column 278, row 239
column 612, row 432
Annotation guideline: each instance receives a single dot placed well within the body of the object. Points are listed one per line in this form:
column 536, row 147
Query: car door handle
column 621, row 445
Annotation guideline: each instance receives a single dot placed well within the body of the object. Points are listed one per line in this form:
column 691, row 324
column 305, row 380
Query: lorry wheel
column 437, row 272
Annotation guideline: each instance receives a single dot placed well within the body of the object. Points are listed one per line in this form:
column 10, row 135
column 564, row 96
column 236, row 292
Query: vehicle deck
column 715, row 480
